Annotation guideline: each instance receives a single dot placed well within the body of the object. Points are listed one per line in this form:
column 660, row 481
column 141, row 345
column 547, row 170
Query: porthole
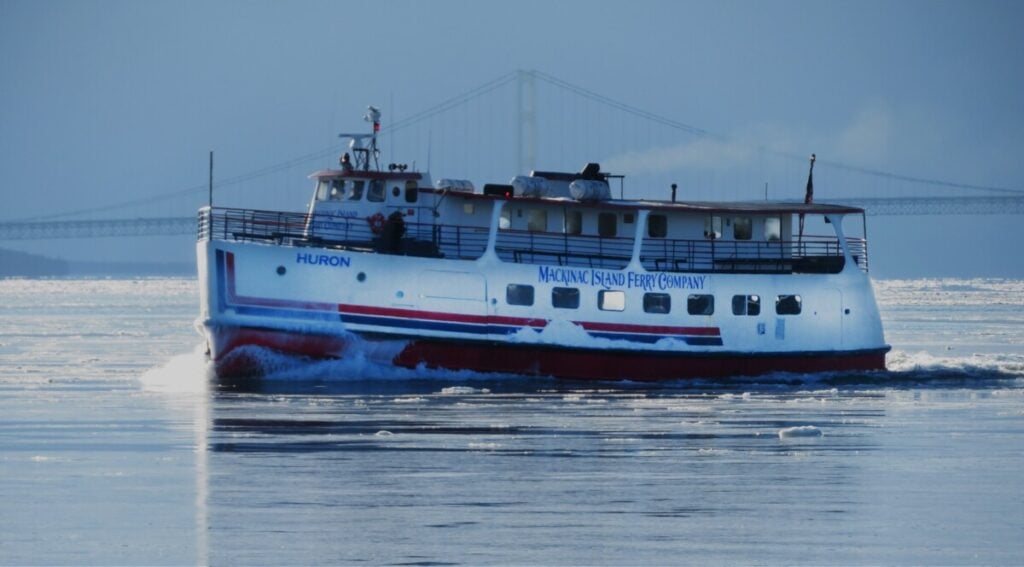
column 281, row 270
column 361, row 276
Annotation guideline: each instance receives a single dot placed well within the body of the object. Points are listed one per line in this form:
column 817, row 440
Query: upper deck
column 704, row 237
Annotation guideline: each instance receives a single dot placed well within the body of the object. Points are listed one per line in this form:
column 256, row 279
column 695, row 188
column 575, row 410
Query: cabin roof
column 366, row 174
column 708, row 207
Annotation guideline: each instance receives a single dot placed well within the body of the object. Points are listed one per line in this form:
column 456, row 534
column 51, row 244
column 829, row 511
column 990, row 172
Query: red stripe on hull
column 537, row 360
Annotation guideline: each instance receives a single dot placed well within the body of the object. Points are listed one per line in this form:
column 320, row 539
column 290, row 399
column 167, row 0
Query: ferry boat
column 546, row 275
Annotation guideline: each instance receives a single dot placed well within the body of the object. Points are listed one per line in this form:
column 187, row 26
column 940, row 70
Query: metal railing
column 329, row 231
column 809, row 254
column 529, row 247
column 858, row 248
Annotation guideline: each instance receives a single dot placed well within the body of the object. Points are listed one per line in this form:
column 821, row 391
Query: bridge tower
column 526, row 115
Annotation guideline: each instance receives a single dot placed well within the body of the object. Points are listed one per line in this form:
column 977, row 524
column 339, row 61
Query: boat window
column 536, row 220
column 573, row 222
column 518, row 294
column 376, row 193
column 355, row 190
column 606, row 224
column 773, row 229
column 412, row 192
column 323, row 190
column 742, row 228
column 713, row 227
column 337, row 192
column 657, row 303
column 468, row 208
column 657, row 226
column 788, row 305
column 505, row 222
column 609, row 300
column 700, row 304
column 565, row 298
column 746, row 305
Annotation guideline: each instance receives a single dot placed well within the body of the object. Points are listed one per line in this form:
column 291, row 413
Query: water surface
column 115, row 450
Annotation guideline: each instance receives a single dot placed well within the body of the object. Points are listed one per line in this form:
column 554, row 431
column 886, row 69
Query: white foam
column 800, row 431
column 185, row 373
column 567, row 333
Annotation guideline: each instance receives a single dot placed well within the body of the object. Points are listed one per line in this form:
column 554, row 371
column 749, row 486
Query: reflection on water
column 466, row 472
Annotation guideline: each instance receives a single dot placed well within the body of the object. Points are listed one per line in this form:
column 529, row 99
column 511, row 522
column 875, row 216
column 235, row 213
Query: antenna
column 373, row 116
column 210, row 201
column 362, row 154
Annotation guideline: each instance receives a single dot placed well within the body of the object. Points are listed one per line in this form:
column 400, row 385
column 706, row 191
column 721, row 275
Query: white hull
column 454, row 314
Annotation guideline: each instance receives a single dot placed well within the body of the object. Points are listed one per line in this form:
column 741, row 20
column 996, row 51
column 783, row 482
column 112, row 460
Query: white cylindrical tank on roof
column 526, row 186
column 590, row 190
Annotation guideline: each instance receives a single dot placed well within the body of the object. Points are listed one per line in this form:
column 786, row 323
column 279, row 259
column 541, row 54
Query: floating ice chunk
column 463, row 390
column 384, row 433
column 801, row 431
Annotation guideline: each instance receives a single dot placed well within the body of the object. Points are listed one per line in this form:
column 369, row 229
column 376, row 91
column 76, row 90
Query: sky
column 105, row 102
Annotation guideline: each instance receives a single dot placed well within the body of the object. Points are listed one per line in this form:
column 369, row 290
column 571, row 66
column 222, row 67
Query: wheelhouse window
column 713, row 227
column 611, row 300
column 788, row 305
column 742, row 228
column 505, row 221
column 700, row 304
column 412, row 192
column 537, row 220
column 746, row 305
column 323, row 190
column 565, row 298
column 339, row 190
column 606, row 224
column 376, row 193
column 657, row 226
column 657, row 303
column 519, row 294
column 355, row 189
column 573, row 222
column 773, row 229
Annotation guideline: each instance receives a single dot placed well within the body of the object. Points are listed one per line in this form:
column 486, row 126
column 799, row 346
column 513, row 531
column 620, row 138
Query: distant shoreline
column 24, row 265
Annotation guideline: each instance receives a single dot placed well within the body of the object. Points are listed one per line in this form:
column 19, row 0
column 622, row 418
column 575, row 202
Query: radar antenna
column 361, row 153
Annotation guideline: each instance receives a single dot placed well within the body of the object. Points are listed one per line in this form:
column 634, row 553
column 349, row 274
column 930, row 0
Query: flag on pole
column 809, row 194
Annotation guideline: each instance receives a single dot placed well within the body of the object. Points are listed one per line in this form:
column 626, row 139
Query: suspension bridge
column 523, row 119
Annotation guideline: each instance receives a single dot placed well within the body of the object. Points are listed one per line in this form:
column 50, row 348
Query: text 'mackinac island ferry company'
column 546, row 275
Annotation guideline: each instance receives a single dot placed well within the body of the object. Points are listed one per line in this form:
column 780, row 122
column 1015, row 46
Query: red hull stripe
column 234, row 299
column 439, row 316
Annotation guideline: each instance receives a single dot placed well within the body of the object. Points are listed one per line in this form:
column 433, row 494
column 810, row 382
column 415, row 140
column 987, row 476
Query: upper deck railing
column 809, row 254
